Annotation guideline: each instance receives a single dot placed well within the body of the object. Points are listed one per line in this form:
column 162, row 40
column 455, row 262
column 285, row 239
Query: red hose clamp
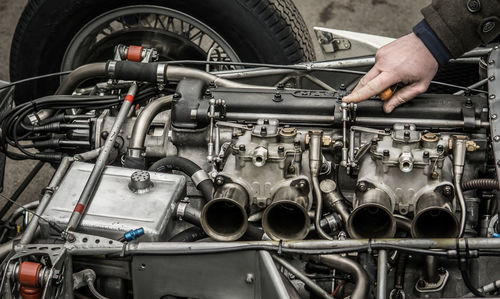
column 134, row 53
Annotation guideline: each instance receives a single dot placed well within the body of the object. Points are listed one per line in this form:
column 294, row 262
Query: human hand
column 406, row 60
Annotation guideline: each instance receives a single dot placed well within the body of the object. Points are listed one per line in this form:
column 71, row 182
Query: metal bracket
column 423, row 286
column 494, row 103
column 332, row 44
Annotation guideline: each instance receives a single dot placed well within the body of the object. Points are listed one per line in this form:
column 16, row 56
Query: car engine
column 177, row 182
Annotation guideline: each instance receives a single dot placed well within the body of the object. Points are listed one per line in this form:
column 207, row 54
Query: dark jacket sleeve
column 462, row 25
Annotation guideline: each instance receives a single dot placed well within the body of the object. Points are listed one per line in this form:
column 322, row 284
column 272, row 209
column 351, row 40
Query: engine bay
column 170, row 176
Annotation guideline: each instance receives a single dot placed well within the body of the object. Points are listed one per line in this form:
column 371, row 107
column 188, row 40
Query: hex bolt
column 386, row 153
column 407, row 126
column 496, row 138
column 250, row 278
column 374, row 141
column 426, row 154
column 362, row 186
column 291, row 169
column 277, row 97
column 434, row 175
column 211, row 84
column 219, row 180
column 263, row 131
column 447, row 190
column 494, row 116
column 176, row 96
column 242, row 148
column 281, row 149
column 407, row 134
column 342, row 87
column 281, row 86
column 440, row 148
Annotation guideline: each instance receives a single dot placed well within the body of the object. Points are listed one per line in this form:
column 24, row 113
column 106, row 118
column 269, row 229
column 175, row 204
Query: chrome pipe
column 95, row 175
column 356, row 270
column 54, row 182
column 316, row 289
column 143, row 122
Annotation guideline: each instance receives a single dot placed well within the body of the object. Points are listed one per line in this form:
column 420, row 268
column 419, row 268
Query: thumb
column 403, row 95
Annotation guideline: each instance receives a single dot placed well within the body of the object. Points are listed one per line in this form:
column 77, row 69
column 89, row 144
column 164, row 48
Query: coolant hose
column 480, row 184
column 349, row 266
column 191, row 234
column 197, row 175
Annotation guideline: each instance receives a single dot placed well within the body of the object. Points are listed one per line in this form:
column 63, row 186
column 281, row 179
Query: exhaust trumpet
column 434, row 217
column 286, row 218
column 225, row 217
column 372, row 216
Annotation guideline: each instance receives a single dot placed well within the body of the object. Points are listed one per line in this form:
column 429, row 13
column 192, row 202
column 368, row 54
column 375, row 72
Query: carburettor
column 264, row 169
column 408, row 172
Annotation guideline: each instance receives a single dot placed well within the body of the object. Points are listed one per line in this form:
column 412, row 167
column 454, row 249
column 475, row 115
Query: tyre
column 54, row 35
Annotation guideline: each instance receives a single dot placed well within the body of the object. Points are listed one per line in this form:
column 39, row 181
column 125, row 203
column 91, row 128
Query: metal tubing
column 459, row 151
column 315, row 139
column 177, row 73
column 356, row 270
column 316, row 289
column 143, row 122
column 475, row 85
column 81, row 74
column 56, row 179
column 440, row 123
column 101, row 161
column 382, row 274
column 333, row 200
column 297, row 118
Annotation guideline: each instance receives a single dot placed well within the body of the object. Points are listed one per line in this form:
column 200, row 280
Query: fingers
column 403, row 95
column 372, row 88
column 372, row 73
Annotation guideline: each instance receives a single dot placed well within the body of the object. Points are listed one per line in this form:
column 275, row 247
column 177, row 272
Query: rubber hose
column 189, row 168
column 481, row 184
column 191, row 234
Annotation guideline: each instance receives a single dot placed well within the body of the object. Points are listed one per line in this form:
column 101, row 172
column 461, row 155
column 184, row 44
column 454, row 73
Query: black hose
column 480, row 184
column 21, row 188
column 190, row 213
column 191, row 234
column 189, row 168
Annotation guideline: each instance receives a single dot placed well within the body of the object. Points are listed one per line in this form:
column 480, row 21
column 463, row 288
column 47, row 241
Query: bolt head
column 362, row 186
column 496, row 138
column 250, row 278
column 219, row 181
column 494, row 116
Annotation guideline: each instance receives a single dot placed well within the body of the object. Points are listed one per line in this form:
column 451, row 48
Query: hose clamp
column 160, row 73
column 111, row 68
column 199, row 177
column 181, row 209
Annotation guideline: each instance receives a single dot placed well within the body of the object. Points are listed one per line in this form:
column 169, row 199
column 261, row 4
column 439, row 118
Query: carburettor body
column 269, row 166
column 408, row 172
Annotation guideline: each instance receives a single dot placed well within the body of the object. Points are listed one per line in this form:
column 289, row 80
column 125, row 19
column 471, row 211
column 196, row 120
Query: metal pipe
column 431, row 274
column 101, row 161
column 475, row 85
column 297, row 118
column 441, row 123
column 495, row 285
column 194, row 248
column 333, row 200
column 143, row 122
column 56, row 179
column 5, row 248
column 382, row 274
column 81, row 74
column 316, row 289
column 315, row 139
column 459, row 151
column 177, row 73
column 356, row 270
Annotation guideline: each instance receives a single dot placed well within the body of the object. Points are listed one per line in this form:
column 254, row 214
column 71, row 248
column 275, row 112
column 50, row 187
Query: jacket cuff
column 434, row 20
column 432, row 42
